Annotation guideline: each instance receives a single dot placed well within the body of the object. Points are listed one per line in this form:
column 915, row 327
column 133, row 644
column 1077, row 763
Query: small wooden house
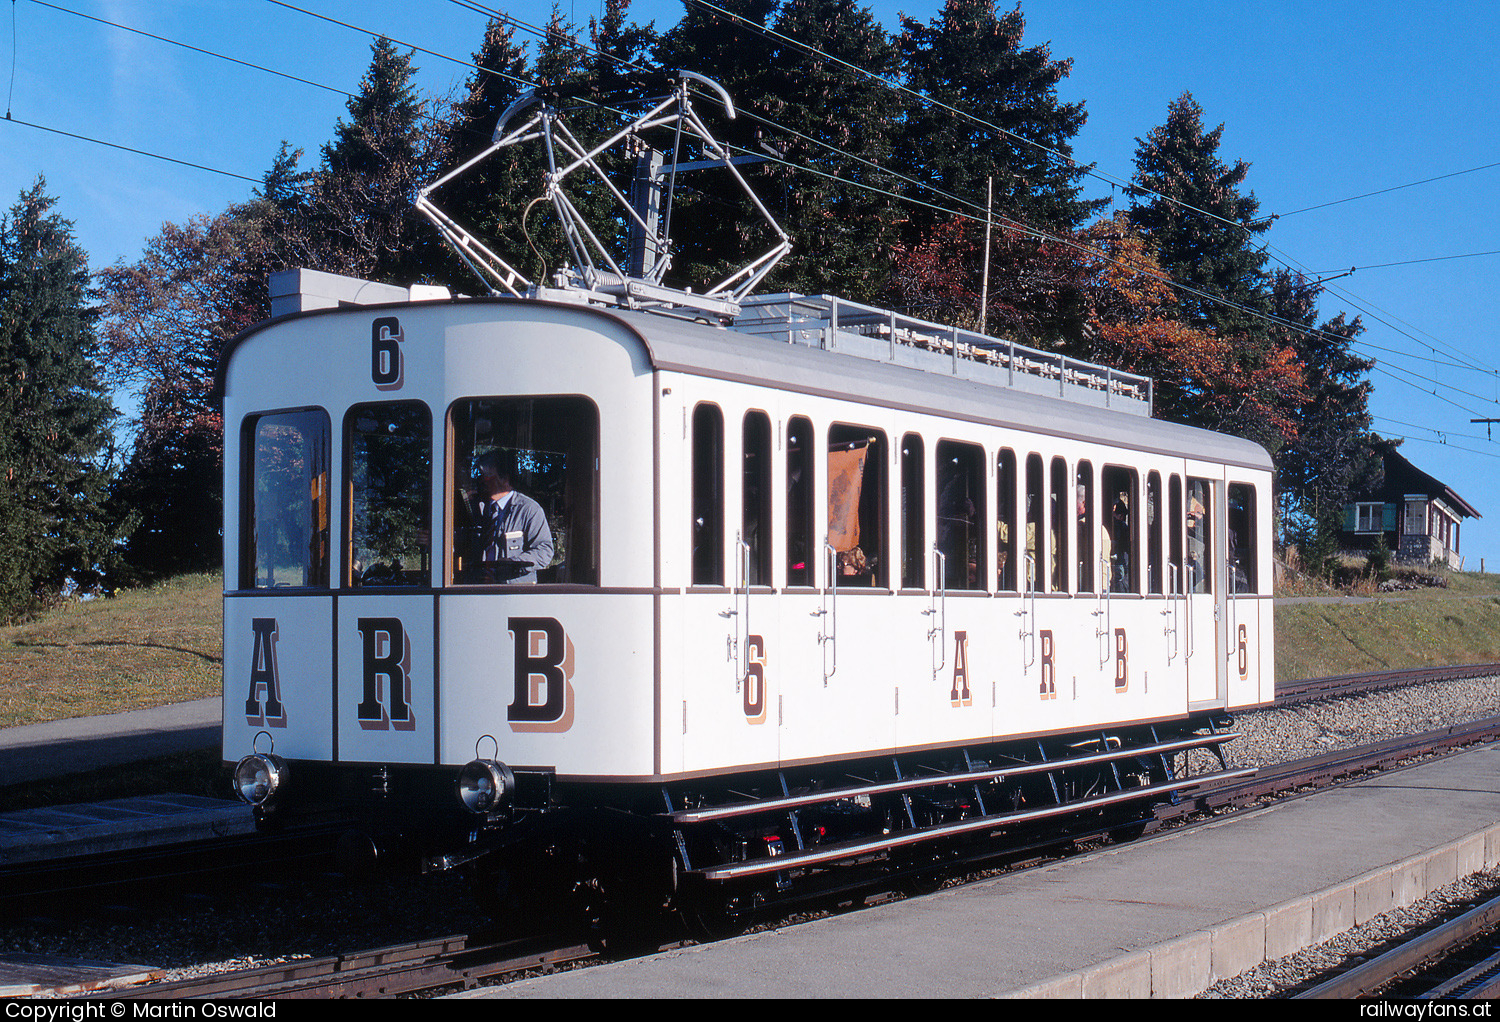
column 1418, row 515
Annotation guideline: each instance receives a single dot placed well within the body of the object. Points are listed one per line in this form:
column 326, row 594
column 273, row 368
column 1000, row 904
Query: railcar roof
column 721, row 353
column 727, row 354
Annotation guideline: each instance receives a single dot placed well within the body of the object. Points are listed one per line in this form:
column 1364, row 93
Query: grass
column 141, row 648
column 1458, row 623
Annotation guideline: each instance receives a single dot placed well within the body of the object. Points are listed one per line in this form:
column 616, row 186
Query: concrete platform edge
column 1188, row 965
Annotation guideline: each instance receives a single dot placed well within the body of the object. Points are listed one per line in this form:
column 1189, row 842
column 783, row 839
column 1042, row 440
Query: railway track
column 1345, row 685
column 1440, row 962
column 465, row 960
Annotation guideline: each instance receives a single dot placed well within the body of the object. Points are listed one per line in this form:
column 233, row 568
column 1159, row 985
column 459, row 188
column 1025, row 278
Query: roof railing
column 838, row 324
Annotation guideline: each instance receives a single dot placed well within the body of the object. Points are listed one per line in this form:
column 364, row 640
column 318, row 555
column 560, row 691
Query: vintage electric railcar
column 828, row 586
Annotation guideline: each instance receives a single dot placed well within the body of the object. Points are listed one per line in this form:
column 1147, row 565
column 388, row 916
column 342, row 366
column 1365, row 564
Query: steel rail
column 455, row 960
column 1308, row 689
column 1380, row 971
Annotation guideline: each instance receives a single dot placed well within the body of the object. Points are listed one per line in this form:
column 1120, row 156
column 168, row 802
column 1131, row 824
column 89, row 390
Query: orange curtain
column 846, row 473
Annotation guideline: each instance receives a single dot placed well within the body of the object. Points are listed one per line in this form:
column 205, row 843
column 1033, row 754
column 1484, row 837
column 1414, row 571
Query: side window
column 1200, row 540
column 388, row 473
column 801, row 528
column 755, row 517
column 1119, row 529
column 284, row 539
column 1084, row 512
column 1153, row 533
column 1176, row 570
column 1005, row 507
column 1034, row 573
column 708, row 496
column 913, row 514
column 546, row 451
column 1242, row 538
column 961, row 518
column 856, row 504
column 1063, row 509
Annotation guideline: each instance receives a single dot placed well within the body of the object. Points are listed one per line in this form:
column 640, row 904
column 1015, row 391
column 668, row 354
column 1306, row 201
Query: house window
column 1416, row 517
column 1367, row 517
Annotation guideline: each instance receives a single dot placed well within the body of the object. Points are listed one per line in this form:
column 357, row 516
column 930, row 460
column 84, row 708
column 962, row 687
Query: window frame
column 321, row 573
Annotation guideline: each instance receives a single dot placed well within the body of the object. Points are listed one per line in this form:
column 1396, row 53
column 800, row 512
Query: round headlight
column 258, row 777
column 484, row 784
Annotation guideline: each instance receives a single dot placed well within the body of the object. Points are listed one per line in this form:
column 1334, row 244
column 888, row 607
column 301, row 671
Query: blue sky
column 1327, row 100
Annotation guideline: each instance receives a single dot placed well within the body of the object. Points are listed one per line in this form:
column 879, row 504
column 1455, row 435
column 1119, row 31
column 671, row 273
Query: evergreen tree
column 832, row 194
column 1200, row 225
column 1334, row 452
column 490, row 198
column 715, row 228
column 362, row 221
column 994, row 123
column 971, row 59
column 55, row 535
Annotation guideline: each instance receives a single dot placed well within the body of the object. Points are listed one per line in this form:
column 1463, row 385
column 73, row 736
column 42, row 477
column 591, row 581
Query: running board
column 938, row 780
column 831, row 853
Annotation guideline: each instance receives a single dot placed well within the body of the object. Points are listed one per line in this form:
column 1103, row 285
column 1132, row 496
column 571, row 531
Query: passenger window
column 708, row 496
column 1153, row 533
column 547, row 448
column 755, row 490
column 1063, row 509
column 1005, row 501
column 1177, row 570
column 962, row 521
column 913, row 514
column 1035, row 571
column 856, row 504
column 1084, row 498
column 1200, row 545
column 284, row 496
column 1241, row 537
column 801, row 544
column 1118, row 529
column 388, row 473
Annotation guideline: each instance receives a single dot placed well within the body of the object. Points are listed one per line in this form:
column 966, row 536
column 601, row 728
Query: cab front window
column 284, row 495
column 546, row 449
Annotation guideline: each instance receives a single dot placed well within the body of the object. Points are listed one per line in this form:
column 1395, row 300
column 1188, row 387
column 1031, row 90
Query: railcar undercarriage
column 721, row 852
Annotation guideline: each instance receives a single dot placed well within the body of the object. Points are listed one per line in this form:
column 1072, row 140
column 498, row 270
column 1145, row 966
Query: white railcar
column 828, row 585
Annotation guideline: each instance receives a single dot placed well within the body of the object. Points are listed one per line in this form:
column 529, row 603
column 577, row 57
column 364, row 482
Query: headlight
column 484, row 784
column 258, row 777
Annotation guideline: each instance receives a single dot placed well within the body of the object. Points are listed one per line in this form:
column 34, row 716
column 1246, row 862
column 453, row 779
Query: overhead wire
column 1005, row 221
column 1090, row 169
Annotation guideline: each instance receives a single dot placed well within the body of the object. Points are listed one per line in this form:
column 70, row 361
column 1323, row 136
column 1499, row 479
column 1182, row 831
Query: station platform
column 43, row 751
column 60, row 747
column 1164, row 917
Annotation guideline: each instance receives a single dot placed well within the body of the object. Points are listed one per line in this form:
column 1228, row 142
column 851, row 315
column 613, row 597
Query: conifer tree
column 833, row 192
column 361, row 210
column 490, row 198
column 55, row 535
column 1009, row 124
column 1202, row 227
column 1334, row 452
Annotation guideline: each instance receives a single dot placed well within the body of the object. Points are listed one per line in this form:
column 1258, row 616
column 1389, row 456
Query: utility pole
column 984, row 287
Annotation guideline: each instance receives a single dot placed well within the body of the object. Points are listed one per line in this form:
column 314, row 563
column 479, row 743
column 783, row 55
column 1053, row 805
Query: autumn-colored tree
column 1133, row 323
column 167, row 319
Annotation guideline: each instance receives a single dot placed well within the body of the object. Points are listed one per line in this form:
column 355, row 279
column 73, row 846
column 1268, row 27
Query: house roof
column 1414, row 478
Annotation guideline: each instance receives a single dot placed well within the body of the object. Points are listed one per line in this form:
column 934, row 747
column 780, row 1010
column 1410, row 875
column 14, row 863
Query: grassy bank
column 1459, row 624
column 144, row 647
